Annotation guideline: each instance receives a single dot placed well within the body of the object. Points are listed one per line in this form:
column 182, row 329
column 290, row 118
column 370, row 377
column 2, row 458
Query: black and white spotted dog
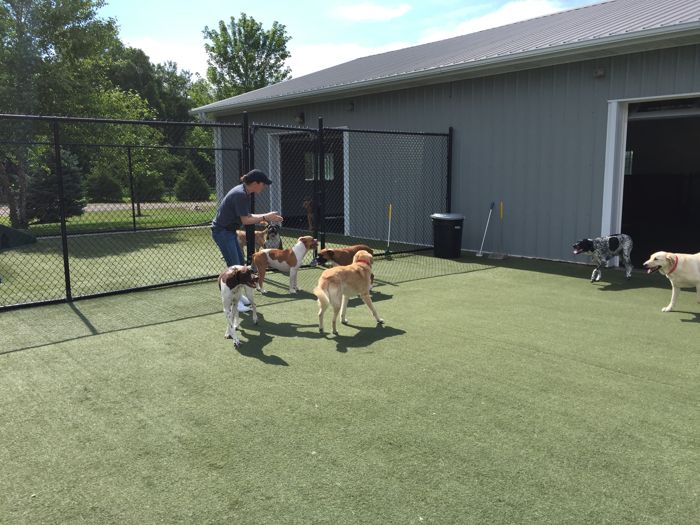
column 602, row 249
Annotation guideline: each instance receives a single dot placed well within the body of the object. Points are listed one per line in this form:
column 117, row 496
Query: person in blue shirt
column 234, row 212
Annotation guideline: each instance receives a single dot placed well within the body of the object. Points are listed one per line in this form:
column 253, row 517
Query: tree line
column 60, row 58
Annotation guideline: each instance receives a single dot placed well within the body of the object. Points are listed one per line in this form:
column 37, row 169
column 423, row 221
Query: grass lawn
column 507, row 391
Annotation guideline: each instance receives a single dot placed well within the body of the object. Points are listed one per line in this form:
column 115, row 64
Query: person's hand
column 273, row 216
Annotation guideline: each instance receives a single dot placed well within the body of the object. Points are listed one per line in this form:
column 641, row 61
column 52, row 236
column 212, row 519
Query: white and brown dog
column 234, row 282
column 336, row 285
column 285, row 261
column 682, row 269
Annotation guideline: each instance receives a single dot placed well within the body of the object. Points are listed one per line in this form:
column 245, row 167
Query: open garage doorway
column 661, row 197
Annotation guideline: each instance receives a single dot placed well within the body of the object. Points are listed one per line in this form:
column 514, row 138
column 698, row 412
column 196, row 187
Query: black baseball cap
column 256, row 175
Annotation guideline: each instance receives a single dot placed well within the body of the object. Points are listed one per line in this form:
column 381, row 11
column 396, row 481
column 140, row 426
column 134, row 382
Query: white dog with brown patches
column 233, row 282
column 285, row 261
column 682, row 269
column 336, row 285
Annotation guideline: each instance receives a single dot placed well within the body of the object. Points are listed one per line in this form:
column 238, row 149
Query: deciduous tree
column 243, row 56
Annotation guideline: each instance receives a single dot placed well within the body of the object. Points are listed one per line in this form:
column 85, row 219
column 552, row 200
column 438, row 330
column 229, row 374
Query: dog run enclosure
column 90, row 207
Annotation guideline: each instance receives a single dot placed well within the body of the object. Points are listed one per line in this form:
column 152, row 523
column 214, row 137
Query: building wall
column 533, row 139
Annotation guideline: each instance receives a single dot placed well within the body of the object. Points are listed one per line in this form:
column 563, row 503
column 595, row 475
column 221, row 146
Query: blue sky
column 324, row 32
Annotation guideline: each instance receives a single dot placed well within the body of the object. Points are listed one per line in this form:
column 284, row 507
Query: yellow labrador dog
column 682, row 269
column 336, row 285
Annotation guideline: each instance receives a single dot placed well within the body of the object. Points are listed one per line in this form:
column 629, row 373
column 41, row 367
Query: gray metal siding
column 534, row 139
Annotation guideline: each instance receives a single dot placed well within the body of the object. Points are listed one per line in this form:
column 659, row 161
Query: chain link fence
column 92, row 206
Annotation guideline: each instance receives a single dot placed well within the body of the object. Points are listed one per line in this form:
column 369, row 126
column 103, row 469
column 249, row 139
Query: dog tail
column 323, row 299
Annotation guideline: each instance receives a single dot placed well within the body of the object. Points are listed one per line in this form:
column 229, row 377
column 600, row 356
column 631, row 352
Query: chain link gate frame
column 333, row 183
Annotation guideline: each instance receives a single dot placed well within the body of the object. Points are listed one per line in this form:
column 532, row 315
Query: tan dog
column 336, row 285
column 286, row 261
column 234, row 282
column 682, row 269
column 259, row 239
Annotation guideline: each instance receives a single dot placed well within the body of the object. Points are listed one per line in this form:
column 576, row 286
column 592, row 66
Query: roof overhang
column 653, row 39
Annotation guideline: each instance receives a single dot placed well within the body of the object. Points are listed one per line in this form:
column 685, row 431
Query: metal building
column 582, row 123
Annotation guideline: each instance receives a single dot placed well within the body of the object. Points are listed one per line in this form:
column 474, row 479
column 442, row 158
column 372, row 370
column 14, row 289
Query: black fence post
column 131, row 189
column 448, row 189
column 320, row 199
column 247, row 166
column 62, row 208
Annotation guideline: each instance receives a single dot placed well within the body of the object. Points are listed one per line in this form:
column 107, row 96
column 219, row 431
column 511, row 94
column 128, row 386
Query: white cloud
column 515, row 11
column 368, row 12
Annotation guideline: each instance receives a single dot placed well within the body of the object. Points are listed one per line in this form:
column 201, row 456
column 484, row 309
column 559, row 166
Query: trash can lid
column 447, row 216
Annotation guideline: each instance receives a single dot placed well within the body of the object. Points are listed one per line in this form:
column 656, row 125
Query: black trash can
column 447, row 234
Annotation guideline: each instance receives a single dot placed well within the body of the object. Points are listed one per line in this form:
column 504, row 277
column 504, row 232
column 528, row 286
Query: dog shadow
column 695, row 319
column 364, row 336
column 262, row 334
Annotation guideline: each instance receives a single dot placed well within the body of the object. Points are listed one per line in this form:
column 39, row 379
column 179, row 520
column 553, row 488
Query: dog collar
column 675, row 265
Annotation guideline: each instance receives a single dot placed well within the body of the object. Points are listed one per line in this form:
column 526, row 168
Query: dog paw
column 667, row 309
column 345, row 321
column 335, row 332
column 380, row 322
column 237, row 343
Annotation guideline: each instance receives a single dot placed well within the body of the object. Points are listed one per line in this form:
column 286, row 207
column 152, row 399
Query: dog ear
column 232, row 278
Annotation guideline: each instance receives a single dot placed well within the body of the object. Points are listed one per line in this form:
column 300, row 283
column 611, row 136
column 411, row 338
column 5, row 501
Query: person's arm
column 257, row 218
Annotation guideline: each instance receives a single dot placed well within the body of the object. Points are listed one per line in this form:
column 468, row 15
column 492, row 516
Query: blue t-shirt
column 233, row 206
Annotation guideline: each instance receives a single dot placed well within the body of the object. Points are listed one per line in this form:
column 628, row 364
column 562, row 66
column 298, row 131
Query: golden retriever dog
column 336, row 285
column 285, row 261
column 682, row 269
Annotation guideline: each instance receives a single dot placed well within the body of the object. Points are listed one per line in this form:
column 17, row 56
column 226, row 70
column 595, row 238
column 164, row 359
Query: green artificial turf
column 507, row 391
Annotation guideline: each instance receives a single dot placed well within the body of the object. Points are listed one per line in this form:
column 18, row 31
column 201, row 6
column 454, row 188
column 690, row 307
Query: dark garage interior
column 661, row 199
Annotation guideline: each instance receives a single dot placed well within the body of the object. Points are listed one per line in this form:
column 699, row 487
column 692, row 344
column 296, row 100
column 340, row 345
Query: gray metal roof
column 602, row 29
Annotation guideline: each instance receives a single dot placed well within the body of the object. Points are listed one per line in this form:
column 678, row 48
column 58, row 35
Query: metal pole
column 62, row 209
column 448, row 190
column 131, row 188
column 247, row 166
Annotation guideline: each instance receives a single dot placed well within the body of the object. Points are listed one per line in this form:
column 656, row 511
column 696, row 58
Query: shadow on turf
column 364, row 336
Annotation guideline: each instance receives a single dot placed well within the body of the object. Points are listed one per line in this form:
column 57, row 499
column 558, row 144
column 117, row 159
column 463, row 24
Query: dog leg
column 674, row 298
column 336, row 311
column 628, row 270
column 293, row 280
column 250, row 294
column 261, row 279
column 227, row 300
column 595, row 276
column 235, row 319
column 368, row 301
column 344, row 309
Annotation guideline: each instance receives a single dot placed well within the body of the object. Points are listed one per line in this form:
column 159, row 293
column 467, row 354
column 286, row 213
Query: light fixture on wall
column 299, row 119
column 350, row 106
column 599, row 72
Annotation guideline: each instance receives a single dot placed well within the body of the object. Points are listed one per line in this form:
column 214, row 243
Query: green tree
column 43, row 191
column 191, row 186
column 243, row 56
column 50, row 58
